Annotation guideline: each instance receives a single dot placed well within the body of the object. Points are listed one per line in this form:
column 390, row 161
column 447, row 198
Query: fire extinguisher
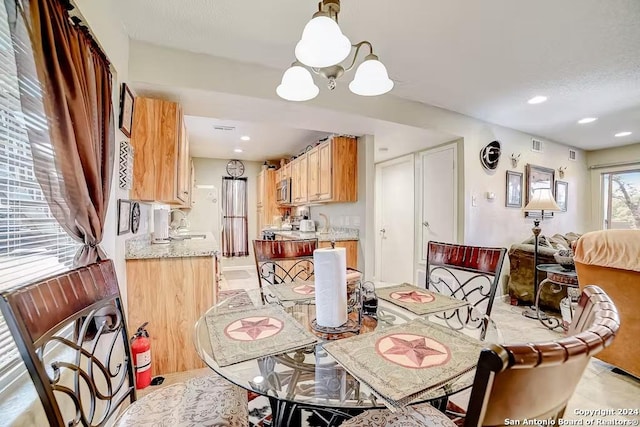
column 141, row 351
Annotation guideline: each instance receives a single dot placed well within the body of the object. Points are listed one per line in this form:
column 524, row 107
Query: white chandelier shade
column 322, row 43
column 371, row 78
column 297, row 85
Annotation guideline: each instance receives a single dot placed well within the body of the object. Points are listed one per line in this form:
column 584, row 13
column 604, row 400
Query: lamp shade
column 542, row 200
column 297, row 85
column 322, row 43
column 371, row 78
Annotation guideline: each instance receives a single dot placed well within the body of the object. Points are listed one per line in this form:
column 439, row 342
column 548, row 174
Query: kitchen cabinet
column 266, row 198
column 299, row 180
column 332, row 172
column 161, row 169
column 171, row 294
column 352, row 251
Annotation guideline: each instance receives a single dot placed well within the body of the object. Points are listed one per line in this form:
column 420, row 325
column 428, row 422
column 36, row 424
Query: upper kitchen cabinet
column 299, row 180
column 161, row 164
column 333, row 171
column 266, row 198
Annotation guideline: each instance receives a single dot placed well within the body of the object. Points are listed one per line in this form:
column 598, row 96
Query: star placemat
column 403, row 363
column 248, row 334
column 298, row 290
column 418, row 300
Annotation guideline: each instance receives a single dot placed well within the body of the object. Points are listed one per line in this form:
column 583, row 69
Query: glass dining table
column 311, row 379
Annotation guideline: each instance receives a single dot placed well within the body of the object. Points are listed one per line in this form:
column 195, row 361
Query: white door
column 206, row 212
column 395, row 219
column 438, row 197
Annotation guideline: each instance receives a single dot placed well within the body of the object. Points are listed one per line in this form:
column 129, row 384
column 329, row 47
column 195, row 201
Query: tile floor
column 600, row 388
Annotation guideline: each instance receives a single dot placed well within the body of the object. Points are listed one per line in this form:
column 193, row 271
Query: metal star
column 414, row 296
column 255, row 328
column 416, row 350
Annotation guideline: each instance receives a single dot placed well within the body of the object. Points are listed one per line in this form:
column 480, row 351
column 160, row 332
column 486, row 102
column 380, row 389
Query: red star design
column 306, row 290
column 254, row 329
column 416, row 350
column 413, row 296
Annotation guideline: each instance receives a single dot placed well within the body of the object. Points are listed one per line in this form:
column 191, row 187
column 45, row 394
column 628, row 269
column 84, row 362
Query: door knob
column 382, row 230
column 426, row 224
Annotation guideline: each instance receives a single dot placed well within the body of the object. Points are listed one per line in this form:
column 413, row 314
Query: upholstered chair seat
column 419, row 415
column 203, row 401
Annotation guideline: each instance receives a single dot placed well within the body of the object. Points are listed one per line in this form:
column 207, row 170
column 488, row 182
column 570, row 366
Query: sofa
column 611, row 260
column 521, row 269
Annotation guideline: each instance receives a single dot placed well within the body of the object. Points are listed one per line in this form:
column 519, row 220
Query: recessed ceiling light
column 621, row 134
column 587, row 120
column 238, row 150
column 537, row 99
column 245, row 138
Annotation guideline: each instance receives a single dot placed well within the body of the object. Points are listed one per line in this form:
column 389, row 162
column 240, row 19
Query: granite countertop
column 337, row 235
column 142, row 248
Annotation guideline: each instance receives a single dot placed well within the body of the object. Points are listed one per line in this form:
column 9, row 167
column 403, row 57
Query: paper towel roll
column 330, row 271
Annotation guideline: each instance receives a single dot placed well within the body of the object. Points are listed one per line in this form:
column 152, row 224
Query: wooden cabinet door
column 260, row 195
column 260, row 221
column 303, row 170
column 295, row 181
column 166, row 149
column 286, row 173
column 183, row 166
column 325, row 171
column 352, row 251
column 313, row 181
column 144, row 130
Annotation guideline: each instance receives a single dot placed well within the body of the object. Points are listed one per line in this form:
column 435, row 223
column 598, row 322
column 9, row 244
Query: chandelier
column 322, row 49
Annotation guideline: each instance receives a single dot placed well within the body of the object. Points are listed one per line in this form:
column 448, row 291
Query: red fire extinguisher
column 141, row 351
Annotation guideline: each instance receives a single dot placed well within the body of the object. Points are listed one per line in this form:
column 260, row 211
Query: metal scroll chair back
column 468, row 273
column 536, row 380
column 284, row 261
column 71, row 333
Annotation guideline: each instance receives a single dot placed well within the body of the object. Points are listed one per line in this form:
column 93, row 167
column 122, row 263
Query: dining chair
column 522, row 381
column 469, row 273
column 71, row 332
column 283, row 261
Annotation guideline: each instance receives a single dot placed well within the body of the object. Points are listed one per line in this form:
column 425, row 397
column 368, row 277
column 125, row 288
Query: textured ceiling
column 481, row 58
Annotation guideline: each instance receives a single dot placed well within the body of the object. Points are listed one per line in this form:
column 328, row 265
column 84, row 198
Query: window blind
column 32, row 243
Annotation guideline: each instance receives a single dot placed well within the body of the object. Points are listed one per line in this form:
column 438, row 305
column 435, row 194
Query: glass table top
column 311, row 376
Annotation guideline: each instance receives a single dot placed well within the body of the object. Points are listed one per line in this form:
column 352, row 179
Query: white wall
column 103, row 18
column 211, row 171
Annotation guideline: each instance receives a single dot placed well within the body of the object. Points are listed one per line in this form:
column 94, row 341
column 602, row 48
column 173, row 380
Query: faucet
column 325, row 229
column 182, row 224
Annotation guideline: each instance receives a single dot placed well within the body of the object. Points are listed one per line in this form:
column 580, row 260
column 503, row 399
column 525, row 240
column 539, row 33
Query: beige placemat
column 248, row 334
column 418, row 300
column 298, row 290
column 404, row 362
column 232, row 300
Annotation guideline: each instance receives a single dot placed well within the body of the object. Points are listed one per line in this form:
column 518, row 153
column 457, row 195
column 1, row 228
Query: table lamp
column 542, row 200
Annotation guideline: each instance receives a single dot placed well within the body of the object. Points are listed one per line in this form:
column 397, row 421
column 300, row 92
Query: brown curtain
column 65, row 76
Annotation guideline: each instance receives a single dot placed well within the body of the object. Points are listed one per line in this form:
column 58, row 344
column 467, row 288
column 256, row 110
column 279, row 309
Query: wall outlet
column 346, row 220
column 474, row 200
column 356, row 221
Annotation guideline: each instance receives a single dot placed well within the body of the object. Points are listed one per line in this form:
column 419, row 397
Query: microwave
column 283, row 191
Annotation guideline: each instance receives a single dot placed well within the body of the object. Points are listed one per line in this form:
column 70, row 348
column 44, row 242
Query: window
column 621, row 201
column 32, row 244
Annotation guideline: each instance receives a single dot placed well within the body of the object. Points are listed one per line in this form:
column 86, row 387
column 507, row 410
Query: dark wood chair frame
column 484, row 264
column 536, row 380
column 283, row 261
column 39, row 315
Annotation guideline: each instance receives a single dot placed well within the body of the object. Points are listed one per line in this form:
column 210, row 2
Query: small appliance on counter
column 160, row 225
column 307, row 225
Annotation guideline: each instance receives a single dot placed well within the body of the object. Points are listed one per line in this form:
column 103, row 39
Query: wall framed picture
column 538, row 177
column 124, row 216
column 562, row 189
column 514, row 190
column 126, row 110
